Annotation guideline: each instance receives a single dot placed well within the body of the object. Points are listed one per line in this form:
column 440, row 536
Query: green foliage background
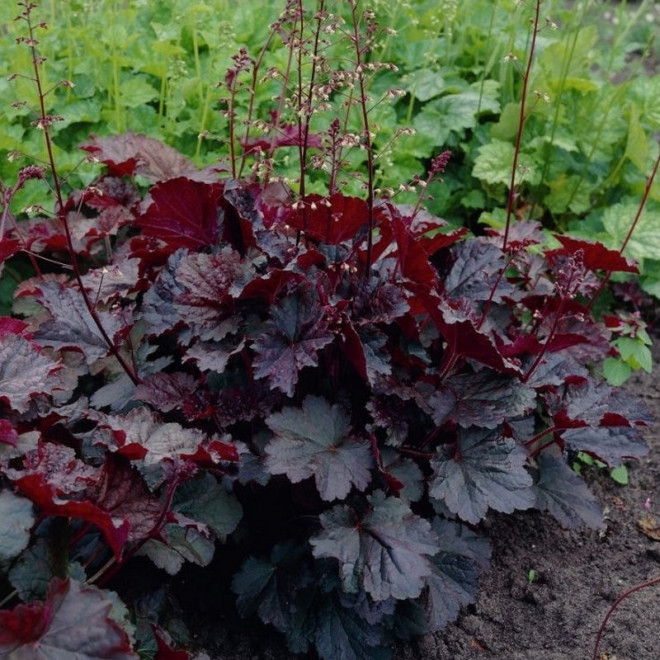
column 152, row 66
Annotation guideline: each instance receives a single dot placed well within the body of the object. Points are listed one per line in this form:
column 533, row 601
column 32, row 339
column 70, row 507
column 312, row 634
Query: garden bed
column 577, row 575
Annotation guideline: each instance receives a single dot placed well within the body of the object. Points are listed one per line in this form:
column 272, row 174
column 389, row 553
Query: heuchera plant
column 343, row 388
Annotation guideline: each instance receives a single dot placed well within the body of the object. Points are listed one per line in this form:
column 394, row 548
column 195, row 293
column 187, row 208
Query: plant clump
column 338, row 387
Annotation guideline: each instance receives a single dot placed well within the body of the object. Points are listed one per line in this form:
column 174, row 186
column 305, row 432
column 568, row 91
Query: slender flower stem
column 521, row 124
column 367, row 134
column 59, row 198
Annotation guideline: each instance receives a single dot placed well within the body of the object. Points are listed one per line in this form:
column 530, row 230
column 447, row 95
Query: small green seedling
column 618, row 474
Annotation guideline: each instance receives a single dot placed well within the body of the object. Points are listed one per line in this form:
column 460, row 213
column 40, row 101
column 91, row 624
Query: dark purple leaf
column 166, row 391
column 385, row 552
column 316, row 441
column 297, row 332
column 71, row 325
column 179, row 543
column 477, row 273
column 487, row 400
column 564, row 493
column 131, row 154
column 17, row 519
column 454, row 581
column 265, row 586
column 341, row 633
column 611, row 444
column 485, row 470
column 204, row 500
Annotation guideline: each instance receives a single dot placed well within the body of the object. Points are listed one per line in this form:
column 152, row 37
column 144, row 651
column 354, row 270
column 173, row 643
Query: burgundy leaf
column 596, row 255
column 131, row 154
column 461, row 335
column 8, row 248
column 412, row 257
column 8, row 434
column 330, row 220
column 165, row 651
column 56, row 481
column 182, row 213
column 45, row 496
column 73, row 622
column 122, row 492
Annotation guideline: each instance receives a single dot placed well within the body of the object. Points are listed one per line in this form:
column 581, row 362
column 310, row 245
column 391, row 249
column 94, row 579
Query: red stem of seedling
column 613, row 607
column 521, row 124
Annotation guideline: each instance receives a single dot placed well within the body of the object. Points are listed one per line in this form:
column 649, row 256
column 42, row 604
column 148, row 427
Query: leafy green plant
column 252, row 360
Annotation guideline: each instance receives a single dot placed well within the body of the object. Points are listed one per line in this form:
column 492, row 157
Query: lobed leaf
column 315, row 441
column 484, row 470
column 385, row 552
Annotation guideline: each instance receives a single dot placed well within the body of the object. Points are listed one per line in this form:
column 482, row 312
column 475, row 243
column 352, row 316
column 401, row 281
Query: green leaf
column 384, row 552
column 620, row 475
column 645, row 240
column 495, row 160
column 484, row 470
column 17, row 519
column 616, row 371
column 423, row 84
column 635, row 353
column 638, row 144
column 315, row 441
